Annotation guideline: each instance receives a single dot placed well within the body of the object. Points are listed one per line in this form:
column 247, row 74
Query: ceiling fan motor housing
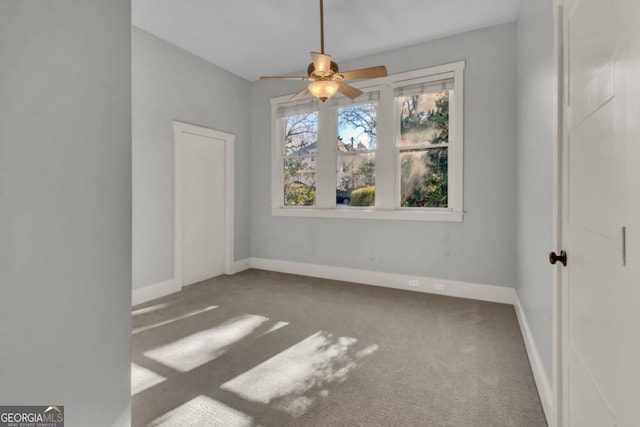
column 333, row 69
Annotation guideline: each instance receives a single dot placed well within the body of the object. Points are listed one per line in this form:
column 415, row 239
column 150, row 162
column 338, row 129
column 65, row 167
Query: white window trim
column 387, row 179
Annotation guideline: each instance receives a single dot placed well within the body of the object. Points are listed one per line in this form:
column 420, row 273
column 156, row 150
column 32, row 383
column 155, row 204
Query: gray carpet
column 270, row 349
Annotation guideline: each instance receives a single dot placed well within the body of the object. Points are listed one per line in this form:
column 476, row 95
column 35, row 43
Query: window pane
column 300, row 134
column 424, row 119
column 356, row 180
column 300, row 181
column 424, row 178
column 357, row 128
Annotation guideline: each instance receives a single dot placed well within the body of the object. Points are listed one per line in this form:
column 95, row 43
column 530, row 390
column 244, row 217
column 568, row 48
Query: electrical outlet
column 438, row 286
column 414, row 283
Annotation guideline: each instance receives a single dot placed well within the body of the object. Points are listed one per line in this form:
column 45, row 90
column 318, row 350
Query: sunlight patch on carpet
column 202, row 347
column 275, row 327
column 294, row 378
column 175, row 319
column 203, row 411
column 149, row 309
column 143, row 378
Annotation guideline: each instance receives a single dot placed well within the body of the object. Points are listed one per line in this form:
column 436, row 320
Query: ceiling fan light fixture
column 323, row 89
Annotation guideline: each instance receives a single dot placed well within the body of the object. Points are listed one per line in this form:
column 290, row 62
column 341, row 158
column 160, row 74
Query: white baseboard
column 398, row 281
column 152, row 292
column 542, row 383
column 240, row 266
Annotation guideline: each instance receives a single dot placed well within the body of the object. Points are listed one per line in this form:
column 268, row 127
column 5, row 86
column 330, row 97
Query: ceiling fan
column 325, row 75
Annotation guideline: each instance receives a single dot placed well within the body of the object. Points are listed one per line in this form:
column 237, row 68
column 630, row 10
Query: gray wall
column 65, row 207
column 482, row 249
column 535, row 143
column 168, row 84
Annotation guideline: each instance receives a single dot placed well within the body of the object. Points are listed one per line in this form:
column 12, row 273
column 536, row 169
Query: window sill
column 360, row 213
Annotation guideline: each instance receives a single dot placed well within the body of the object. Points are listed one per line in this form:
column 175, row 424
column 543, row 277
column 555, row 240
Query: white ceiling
column 273, row 37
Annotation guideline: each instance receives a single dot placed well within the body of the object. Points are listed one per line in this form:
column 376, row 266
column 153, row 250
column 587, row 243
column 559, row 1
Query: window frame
column 387, row 205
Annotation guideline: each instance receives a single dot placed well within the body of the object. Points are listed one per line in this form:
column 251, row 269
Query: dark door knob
column 553, row 258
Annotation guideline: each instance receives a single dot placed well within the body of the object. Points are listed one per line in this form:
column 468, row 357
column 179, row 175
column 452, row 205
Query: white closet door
column 203, row 208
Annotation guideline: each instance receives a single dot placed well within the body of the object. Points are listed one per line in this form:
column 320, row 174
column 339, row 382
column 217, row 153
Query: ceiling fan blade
column 349, row 91
column 321, row 62
column 284, row 78
column 364, row 73
column 300, row 94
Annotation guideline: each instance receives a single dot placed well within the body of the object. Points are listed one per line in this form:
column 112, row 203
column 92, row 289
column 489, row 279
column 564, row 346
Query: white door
column 598, row 385
column 204, row 203
column 203, row 208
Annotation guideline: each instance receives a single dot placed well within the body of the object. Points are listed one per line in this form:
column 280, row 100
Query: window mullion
column 326, row 160
column 386, row 151
column 456, row 128
column 277, row 177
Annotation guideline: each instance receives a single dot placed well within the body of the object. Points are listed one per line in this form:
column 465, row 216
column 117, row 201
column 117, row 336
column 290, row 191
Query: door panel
column 591, row 57
column 592, row 303
column 583, row 392
column 591, row 166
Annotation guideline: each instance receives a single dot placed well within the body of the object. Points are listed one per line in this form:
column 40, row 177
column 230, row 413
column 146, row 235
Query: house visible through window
column 356, row 155
column 393, row 153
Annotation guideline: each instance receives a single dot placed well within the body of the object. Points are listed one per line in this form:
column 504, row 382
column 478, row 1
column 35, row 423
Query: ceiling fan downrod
column 321, row 27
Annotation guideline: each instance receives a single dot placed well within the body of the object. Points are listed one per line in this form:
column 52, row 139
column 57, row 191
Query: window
column 298, row 131
column 393, row 153
column 356, row 154
column 423, row 144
